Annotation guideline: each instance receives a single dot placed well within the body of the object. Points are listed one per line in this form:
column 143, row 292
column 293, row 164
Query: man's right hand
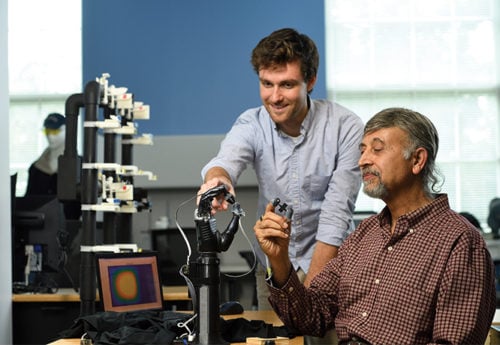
column 273, row 234
column 218, row 203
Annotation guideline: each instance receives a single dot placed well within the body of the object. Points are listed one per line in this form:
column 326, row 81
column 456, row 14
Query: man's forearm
column 322, row 254
column 280, row 271
column 217, row 172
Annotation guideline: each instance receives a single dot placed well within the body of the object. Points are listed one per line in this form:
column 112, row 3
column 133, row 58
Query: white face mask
column 57, row 140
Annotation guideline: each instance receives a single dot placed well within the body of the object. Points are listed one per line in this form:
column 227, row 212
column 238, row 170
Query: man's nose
column 364, row 159
column 276, row 95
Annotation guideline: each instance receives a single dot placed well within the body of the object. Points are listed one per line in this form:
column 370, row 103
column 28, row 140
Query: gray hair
column 421, row 133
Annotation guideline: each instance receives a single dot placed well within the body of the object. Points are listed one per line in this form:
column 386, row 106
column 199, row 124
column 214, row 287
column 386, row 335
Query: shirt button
column 411, row 231
column 389, row 249
column 290, row 289
column 377, row 281
column 364, row 314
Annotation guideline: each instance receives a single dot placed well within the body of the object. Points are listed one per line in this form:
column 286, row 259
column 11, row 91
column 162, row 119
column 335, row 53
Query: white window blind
column 44, row 69
column 437, row 57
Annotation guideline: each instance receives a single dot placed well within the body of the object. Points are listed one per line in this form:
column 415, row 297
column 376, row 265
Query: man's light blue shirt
column 316, row 173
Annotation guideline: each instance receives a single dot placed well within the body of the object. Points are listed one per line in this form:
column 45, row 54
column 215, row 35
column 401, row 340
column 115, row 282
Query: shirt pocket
column 318, row 184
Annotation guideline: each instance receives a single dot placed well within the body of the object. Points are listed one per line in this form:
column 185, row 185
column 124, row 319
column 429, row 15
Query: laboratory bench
column 268, row 316
column 38, row 318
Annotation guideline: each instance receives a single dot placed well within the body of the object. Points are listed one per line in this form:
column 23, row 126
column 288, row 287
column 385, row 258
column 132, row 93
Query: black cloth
column 237, row 330
column 160, row 327
column 144, row 327
column 41, row 183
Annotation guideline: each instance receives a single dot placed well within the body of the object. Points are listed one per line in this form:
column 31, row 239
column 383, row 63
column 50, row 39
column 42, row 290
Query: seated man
column 416, row 273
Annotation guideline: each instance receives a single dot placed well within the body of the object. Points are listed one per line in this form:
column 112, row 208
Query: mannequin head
column 55, row 130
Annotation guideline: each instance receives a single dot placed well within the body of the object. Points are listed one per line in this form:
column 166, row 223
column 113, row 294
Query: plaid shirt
column 432, row 281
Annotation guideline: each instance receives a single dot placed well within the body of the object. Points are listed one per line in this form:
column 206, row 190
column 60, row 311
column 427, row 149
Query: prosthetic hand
column 209, row 238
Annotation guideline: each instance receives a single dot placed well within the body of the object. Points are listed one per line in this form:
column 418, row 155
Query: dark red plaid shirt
column 430, row 282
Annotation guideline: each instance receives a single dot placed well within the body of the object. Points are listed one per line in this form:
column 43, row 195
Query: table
column 170, row 293
column 267, row 316
column 38, row 318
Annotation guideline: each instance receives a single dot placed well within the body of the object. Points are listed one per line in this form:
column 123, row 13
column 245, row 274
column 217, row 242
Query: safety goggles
column 51, row 131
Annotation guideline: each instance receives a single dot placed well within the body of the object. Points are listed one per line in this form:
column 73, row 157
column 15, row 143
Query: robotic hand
column 205, row 205
column 209, row 238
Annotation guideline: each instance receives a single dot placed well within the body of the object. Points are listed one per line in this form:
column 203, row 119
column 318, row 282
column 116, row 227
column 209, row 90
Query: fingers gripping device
column 209, row 238
column 283, row 208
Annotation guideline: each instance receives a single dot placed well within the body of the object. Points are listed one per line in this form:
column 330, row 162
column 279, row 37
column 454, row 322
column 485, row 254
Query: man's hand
column 273, row 234
column 216, row 177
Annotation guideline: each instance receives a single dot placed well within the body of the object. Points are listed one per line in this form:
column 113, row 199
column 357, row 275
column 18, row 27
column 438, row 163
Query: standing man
column 304, row 151
column 416, row 273
column 42, row 174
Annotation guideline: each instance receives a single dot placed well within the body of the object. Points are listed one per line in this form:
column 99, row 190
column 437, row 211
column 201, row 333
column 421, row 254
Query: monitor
column 129, row 281
column 172, row 252
column 39, row 220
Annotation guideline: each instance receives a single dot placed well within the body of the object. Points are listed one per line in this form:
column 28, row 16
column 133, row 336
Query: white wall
column 177, row 161
column 5, row 224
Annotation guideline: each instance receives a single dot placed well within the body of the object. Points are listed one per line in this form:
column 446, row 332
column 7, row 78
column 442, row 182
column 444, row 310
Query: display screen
column 129, row 281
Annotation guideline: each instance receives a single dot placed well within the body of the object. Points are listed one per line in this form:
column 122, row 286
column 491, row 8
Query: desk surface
column 267, row 316
column 170, row 293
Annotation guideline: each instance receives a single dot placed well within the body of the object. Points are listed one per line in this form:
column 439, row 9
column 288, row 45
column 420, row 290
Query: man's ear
column 310, row 84
column 419, row 160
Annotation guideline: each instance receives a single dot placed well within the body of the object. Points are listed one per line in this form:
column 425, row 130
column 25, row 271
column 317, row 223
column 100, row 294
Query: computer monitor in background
column 37, row 220
column 172, row 253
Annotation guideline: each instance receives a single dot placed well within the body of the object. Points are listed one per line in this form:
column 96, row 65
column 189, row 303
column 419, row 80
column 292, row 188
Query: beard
column 375, row 189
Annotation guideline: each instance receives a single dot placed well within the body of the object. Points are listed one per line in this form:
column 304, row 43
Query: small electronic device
column 284, row 208
column 129, row 281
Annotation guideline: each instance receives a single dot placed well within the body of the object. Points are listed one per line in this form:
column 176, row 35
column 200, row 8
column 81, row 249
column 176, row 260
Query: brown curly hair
column 284, row 46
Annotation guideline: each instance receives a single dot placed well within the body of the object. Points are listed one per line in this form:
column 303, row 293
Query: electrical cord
column 184, row 270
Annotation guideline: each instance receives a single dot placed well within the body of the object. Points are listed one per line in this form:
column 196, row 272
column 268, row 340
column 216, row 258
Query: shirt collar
column 415, row 217
column 306, row 124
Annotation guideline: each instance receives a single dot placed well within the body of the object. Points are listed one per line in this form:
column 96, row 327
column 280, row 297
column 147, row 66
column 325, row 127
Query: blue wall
column 190, row 60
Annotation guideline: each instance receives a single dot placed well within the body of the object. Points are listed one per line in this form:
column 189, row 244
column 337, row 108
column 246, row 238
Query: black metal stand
column 206, row 280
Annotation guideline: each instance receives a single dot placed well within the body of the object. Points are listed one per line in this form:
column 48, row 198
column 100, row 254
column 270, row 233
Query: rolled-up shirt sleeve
column 335, row 221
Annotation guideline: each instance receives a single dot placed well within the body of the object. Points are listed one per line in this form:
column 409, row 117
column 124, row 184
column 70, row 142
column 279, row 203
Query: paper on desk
column 496, row 318
column 263, row 341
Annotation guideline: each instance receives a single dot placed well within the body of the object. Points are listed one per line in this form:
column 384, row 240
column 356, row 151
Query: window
column 438, row 57
column 44, row 69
